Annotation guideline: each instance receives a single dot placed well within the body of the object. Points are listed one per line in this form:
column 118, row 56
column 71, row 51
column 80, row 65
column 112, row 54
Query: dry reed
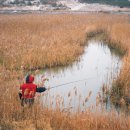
column 39, row 41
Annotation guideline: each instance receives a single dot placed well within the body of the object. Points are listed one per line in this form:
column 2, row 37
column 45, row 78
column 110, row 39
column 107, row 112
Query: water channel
column 79, row 85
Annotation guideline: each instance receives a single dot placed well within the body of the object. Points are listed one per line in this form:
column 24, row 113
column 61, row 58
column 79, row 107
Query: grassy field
column 34, row 41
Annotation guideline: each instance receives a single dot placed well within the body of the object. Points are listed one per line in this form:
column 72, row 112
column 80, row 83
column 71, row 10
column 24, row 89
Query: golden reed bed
column 37, row 41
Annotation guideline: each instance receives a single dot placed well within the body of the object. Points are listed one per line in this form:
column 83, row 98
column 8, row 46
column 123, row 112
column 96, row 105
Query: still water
column 79, row 85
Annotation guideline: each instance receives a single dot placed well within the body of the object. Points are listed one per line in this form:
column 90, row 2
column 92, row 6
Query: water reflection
column 79, row 85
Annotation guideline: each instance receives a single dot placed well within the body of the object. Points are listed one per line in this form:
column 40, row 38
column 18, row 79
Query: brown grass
column 39, row 41
column 39, row 117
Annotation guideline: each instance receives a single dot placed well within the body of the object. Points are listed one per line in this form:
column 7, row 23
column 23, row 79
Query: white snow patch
column 72, row 4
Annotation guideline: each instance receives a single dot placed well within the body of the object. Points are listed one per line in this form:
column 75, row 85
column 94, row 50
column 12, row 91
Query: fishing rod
column 71, row 82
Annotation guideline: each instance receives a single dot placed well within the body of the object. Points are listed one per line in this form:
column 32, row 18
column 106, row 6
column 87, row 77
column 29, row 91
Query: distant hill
column 121, row 3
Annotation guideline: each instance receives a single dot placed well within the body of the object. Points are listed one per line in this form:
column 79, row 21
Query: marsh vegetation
column 35, row 41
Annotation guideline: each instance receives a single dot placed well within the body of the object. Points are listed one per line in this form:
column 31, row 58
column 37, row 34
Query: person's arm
column 40, row 89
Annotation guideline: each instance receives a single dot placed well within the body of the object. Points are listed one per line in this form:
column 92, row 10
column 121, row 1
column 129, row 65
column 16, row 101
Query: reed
column 37, row 41
column 41, row 117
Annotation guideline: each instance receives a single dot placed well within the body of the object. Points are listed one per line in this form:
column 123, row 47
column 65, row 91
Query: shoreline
column 60, row 12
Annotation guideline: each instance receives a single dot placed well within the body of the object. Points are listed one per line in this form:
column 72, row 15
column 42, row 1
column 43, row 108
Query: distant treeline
column 121, row 3
column 47, row 1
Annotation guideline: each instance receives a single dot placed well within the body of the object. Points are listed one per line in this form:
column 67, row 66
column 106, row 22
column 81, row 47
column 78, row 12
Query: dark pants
column 27, row 101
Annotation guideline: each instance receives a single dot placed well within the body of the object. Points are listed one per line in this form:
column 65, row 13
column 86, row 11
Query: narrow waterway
column 79, row 86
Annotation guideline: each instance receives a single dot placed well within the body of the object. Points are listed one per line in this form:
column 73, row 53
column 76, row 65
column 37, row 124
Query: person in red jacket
column 28, row 91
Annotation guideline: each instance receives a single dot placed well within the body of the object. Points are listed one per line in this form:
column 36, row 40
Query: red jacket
column 28, row 89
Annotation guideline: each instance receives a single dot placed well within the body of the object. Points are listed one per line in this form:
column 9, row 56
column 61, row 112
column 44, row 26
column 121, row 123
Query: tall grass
column 12, row 116
column 39, row 41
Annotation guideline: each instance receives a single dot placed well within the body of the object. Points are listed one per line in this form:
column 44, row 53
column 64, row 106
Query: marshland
column 56, row 44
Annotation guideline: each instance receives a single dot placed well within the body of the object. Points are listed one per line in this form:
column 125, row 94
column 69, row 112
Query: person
column 28, row 90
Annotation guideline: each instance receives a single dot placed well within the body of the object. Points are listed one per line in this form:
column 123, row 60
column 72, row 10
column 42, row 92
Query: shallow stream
column 80, row 85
